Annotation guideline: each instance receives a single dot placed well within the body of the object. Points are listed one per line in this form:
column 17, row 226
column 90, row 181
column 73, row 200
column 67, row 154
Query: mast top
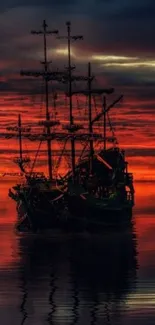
column 70, row 37
column 45, row 31
column 44, row 24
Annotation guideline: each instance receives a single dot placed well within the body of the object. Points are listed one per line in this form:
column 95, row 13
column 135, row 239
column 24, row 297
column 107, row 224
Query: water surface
column 79, row 279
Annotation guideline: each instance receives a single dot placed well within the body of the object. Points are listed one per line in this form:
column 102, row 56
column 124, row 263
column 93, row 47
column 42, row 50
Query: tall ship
column 97, row 189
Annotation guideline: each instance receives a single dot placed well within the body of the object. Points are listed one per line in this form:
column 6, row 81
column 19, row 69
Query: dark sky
column 111, row 27
column 118, row 40
column 123, row 31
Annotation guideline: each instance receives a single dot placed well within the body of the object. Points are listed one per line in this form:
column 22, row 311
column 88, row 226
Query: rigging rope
column 60, row 157
column 82, row 153
column 36, row 156
column 111, row 128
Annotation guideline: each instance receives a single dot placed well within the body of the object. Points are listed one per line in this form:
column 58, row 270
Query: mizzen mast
column 103, row 114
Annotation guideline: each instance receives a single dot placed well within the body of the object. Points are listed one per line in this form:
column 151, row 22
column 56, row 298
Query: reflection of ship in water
column 79, row 280
column 24, row 297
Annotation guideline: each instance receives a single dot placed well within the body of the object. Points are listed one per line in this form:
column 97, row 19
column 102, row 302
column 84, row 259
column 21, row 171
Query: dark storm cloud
column 105, row 24
column 137, row 85
column 112, row 27
column 125, row 26
column 12, row 85
column 14, row 4
column 139, row 10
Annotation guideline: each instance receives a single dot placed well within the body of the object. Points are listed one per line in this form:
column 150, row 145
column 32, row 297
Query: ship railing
column 129, row 177
column 129, row 196
column 129, row 174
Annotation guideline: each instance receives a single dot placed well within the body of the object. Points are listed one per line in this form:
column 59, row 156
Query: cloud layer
column 117, row 40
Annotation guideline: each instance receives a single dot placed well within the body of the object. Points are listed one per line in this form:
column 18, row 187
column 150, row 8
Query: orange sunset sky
column 118, row 41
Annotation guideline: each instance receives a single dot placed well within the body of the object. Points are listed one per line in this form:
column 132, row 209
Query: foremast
column 19, row 132
column 21, row 160
column 47, row 75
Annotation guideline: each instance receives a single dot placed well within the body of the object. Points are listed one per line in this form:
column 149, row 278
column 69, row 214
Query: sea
column 85, row 279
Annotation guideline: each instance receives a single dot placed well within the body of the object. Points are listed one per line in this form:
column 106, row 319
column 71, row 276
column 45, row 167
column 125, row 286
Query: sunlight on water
column 82, row 279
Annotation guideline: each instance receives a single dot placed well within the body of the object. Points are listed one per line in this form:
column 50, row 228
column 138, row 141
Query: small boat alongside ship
column 98, row 189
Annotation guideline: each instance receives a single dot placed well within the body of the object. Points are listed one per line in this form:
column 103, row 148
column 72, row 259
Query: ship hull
column 73, row 210
column 38, row 210
column 105, row 198
column 93, row 215
column 71, row 213
column 37, row 217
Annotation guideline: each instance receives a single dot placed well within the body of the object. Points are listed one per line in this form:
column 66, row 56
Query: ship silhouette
column 97, row 189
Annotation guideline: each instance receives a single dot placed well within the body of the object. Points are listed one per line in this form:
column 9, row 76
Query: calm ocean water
column 82, row 279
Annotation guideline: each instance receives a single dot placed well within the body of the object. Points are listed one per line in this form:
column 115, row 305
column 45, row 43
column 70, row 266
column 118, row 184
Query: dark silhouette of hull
column 107, row 198
column 38, row 207
column 42, row 207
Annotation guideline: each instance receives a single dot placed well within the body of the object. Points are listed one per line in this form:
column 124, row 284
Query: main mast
column 70, row 37
column 70, row 97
